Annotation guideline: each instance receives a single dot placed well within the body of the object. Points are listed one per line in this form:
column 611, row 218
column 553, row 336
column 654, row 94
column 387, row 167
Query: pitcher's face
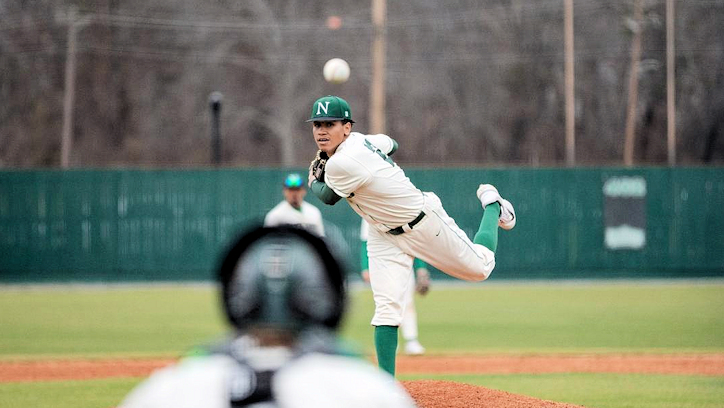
column 329, row 135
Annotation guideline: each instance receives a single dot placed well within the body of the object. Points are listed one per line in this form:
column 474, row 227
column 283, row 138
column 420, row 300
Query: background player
column 293, row 210
column 405, row 223
column 420, row 284
column 284, row 295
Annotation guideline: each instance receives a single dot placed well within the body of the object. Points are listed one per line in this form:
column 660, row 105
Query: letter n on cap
column 320, row 107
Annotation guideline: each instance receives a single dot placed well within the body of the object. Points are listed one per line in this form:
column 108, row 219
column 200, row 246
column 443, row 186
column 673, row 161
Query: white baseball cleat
column 488, row 194
column 414, row 348
column 507, row 215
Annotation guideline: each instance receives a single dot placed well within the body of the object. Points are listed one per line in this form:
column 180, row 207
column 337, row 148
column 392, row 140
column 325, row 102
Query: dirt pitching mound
column 438, row 394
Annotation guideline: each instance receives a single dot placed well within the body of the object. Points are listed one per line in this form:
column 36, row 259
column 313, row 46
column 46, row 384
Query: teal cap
column 330, row 108
column 293, row 180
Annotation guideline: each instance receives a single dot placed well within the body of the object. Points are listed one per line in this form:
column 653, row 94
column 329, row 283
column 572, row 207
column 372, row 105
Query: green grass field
column 489, row 318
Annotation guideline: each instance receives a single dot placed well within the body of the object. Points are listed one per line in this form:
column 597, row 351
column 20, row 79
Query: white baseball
column 336, row 71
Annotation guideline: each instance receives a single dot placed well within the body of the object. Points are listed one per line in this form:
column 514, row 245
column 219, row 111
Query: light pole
column 377, row 88
column 670, row 83
column 215, row 101
column 633, row 84
column 570, row 85
column 66, row 140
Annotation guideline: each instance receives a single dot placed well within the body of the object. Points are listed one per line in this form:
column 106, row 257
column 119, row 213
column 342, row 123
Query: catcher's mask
column 282, row 278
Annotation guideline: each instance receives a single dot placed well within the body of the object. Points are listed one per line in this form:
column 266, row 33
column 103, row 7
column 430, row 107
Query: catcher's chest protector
column 250, row 388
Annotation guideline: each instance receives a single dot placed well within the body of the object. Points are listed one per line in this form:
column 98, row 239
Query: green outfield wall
column 140, row 225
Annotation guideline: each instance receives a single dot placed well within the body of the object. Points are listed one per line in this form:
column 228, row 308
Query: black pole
column 215, row 102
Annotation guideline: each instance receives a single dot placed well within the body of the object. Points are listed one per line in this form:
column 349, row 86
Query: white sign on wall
column 625, row 212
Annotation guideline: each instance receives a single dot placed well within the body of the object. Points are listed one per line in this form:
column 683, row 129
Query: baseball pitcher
column 405, row 223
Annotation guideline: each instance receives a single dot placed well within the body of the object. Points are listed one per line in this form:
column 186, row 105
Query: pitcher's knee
column 481, row 276
column 484, row 271
column 387, row 315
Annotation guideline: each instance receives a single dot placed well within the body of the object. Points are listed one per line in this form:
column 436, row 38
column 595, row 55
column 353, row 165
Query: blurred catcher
column 405, row 222
column 284, row 295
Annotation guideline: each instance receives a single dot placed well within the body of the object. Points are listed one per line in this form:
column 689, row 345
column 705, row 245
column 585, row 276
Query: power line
column 450, row 19
column 9, row 25
column 457, row 56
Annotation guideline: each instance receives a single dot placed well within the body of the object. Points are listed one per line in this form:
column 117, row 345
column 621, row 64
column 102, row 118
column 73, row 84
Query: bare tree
column 469, row 82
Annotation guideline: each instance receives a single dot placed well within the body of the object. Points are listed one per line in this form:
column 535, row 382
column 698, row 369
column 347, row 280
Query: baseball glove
column 316, row 167
column 422, row 283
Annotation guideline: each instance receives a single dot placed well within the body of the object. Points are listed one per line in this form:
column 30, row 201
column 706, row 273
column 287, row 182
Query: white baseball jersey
column 375, row 188
column 314, row 380
column 379, row 191
column 308, row 217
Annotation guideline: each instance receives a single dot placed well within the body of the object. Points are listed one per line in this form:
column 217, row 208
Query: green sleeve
column 324, row 193
column 394, row 147
column 419, row 264
column 363, row 259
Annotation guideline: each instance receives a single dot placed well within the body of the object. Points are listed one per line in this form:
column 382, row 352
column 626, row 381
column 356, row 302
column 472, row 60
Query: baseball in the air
column 336, row 71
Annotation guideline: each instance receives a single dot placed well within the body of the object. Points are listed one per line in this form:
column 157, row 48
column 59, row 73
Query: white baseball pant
column 437, row 240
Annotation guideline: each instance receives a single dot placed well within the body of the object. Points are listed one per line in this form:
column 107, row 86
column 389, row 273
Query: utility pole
column 570, row 86
column 377, row 88
column 633, row 85
column 670, row 83
column 66, row 142
column 215, row 101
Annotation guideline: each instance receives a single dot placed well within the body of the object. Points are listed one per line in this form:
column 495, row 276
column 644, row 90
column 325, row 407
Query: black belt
column 399, row 230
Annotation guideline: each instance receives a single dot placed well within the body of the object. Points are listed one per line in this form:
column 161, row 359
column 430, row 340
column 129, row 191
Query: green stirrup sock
column 386, row 345
column 487, row 234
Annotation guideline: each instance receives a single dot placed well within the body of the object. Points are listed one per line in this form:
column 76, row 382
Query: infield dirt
column 427, row 393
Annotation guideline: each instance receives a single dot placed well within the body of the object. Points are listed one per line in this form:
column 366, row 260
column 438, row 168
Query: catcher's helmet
column 283, row 278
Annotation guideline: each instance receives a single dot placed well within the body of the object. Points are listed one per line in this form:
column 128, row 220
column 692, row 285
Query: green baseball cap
column 329, row 108
column 293, row 180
